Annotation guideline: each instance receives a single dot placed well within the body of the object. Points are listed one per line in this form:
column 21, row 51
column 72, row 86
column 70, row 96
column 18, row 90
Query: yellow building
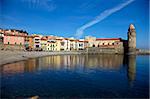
column 51, row 45
column 58, row 44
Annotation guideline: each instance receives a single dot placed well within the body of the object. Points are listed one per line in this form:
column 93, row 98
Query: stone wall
column 97, row 50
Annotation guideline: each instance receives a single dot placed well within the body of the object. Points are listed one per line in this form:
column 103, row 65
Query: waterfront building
column 86, row 45
column 108, row 42
column 105, row 45
column 29, row 42
column 14, row 39
column 91, row 40
column 65, row 44
column 103, row 42
column 1, row 39
column 37, row 41
column 73, row 44
column 44, row 43
column 80, row 44
column 62, row 44
column 48, row 45
column 58, row 43
column 52, row 45
column 1, row 36
column 17, row 39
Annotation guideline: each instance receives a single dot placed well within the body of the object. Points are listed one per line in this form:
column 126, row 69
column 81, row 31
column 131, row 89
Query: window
column 37, row 46
column 8, row 42
column 20, row 43
column 98, row 46
column 62, row 43
column 103, row 43
column 93, row 45
column 80, row 45
column 15, row 43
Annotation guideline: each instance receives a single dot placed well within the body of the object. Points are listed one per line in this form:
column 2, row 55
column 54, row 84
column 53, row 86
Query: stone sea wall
column 105, row 50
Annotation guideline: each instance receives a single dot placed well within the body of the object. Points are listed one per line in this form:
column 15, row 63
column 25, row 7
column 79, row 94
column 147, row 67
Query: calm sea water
column 77, row 76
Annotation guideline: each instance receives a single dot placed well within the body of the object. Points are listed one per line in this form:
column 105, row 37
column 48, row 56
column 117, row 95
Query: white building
column 37, row 41
column 65, row 44
column 73, row 44
column 80, row 44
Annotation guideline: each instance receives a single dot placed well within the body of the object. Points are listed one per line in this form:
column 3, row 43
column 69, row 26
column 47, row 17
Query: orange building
column 29, row 44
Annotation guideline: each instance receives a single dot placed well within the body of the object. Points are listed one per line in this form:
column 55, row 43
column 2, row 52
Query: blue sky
column 64, row 17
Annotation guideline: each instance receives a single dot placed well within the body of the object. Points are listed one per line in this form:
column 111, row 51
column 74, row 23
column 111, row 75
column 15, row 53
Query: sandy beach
column 13, row 56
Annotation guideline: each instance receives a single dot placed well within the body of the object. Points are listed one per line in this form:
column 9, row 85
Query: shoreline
column 7, row 57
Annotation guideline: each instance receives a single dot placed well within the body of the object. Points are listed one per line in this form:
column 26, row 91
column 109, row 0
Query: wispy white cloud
column 101, row 17
column 8, row 18
column 46, row 4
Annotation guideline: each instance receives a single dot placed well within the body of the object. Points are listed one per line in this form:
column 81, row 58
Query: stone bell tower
column 131, row 39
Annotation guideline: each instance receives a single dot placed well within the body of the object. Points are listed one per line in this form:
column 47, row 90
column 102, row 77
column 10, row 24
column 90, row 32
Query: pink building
column 14, row 39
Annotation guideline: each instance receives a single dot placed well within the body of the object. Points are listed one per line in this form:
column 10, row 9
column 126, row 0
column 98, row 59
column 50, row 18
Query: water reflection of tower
column 131, row 69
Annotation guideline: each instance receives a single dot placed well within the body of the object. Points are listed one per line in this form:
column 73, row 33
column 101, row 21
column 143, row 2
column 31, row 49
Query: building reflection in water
column 131, row 68
column 73, row 62
column 10, row 69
